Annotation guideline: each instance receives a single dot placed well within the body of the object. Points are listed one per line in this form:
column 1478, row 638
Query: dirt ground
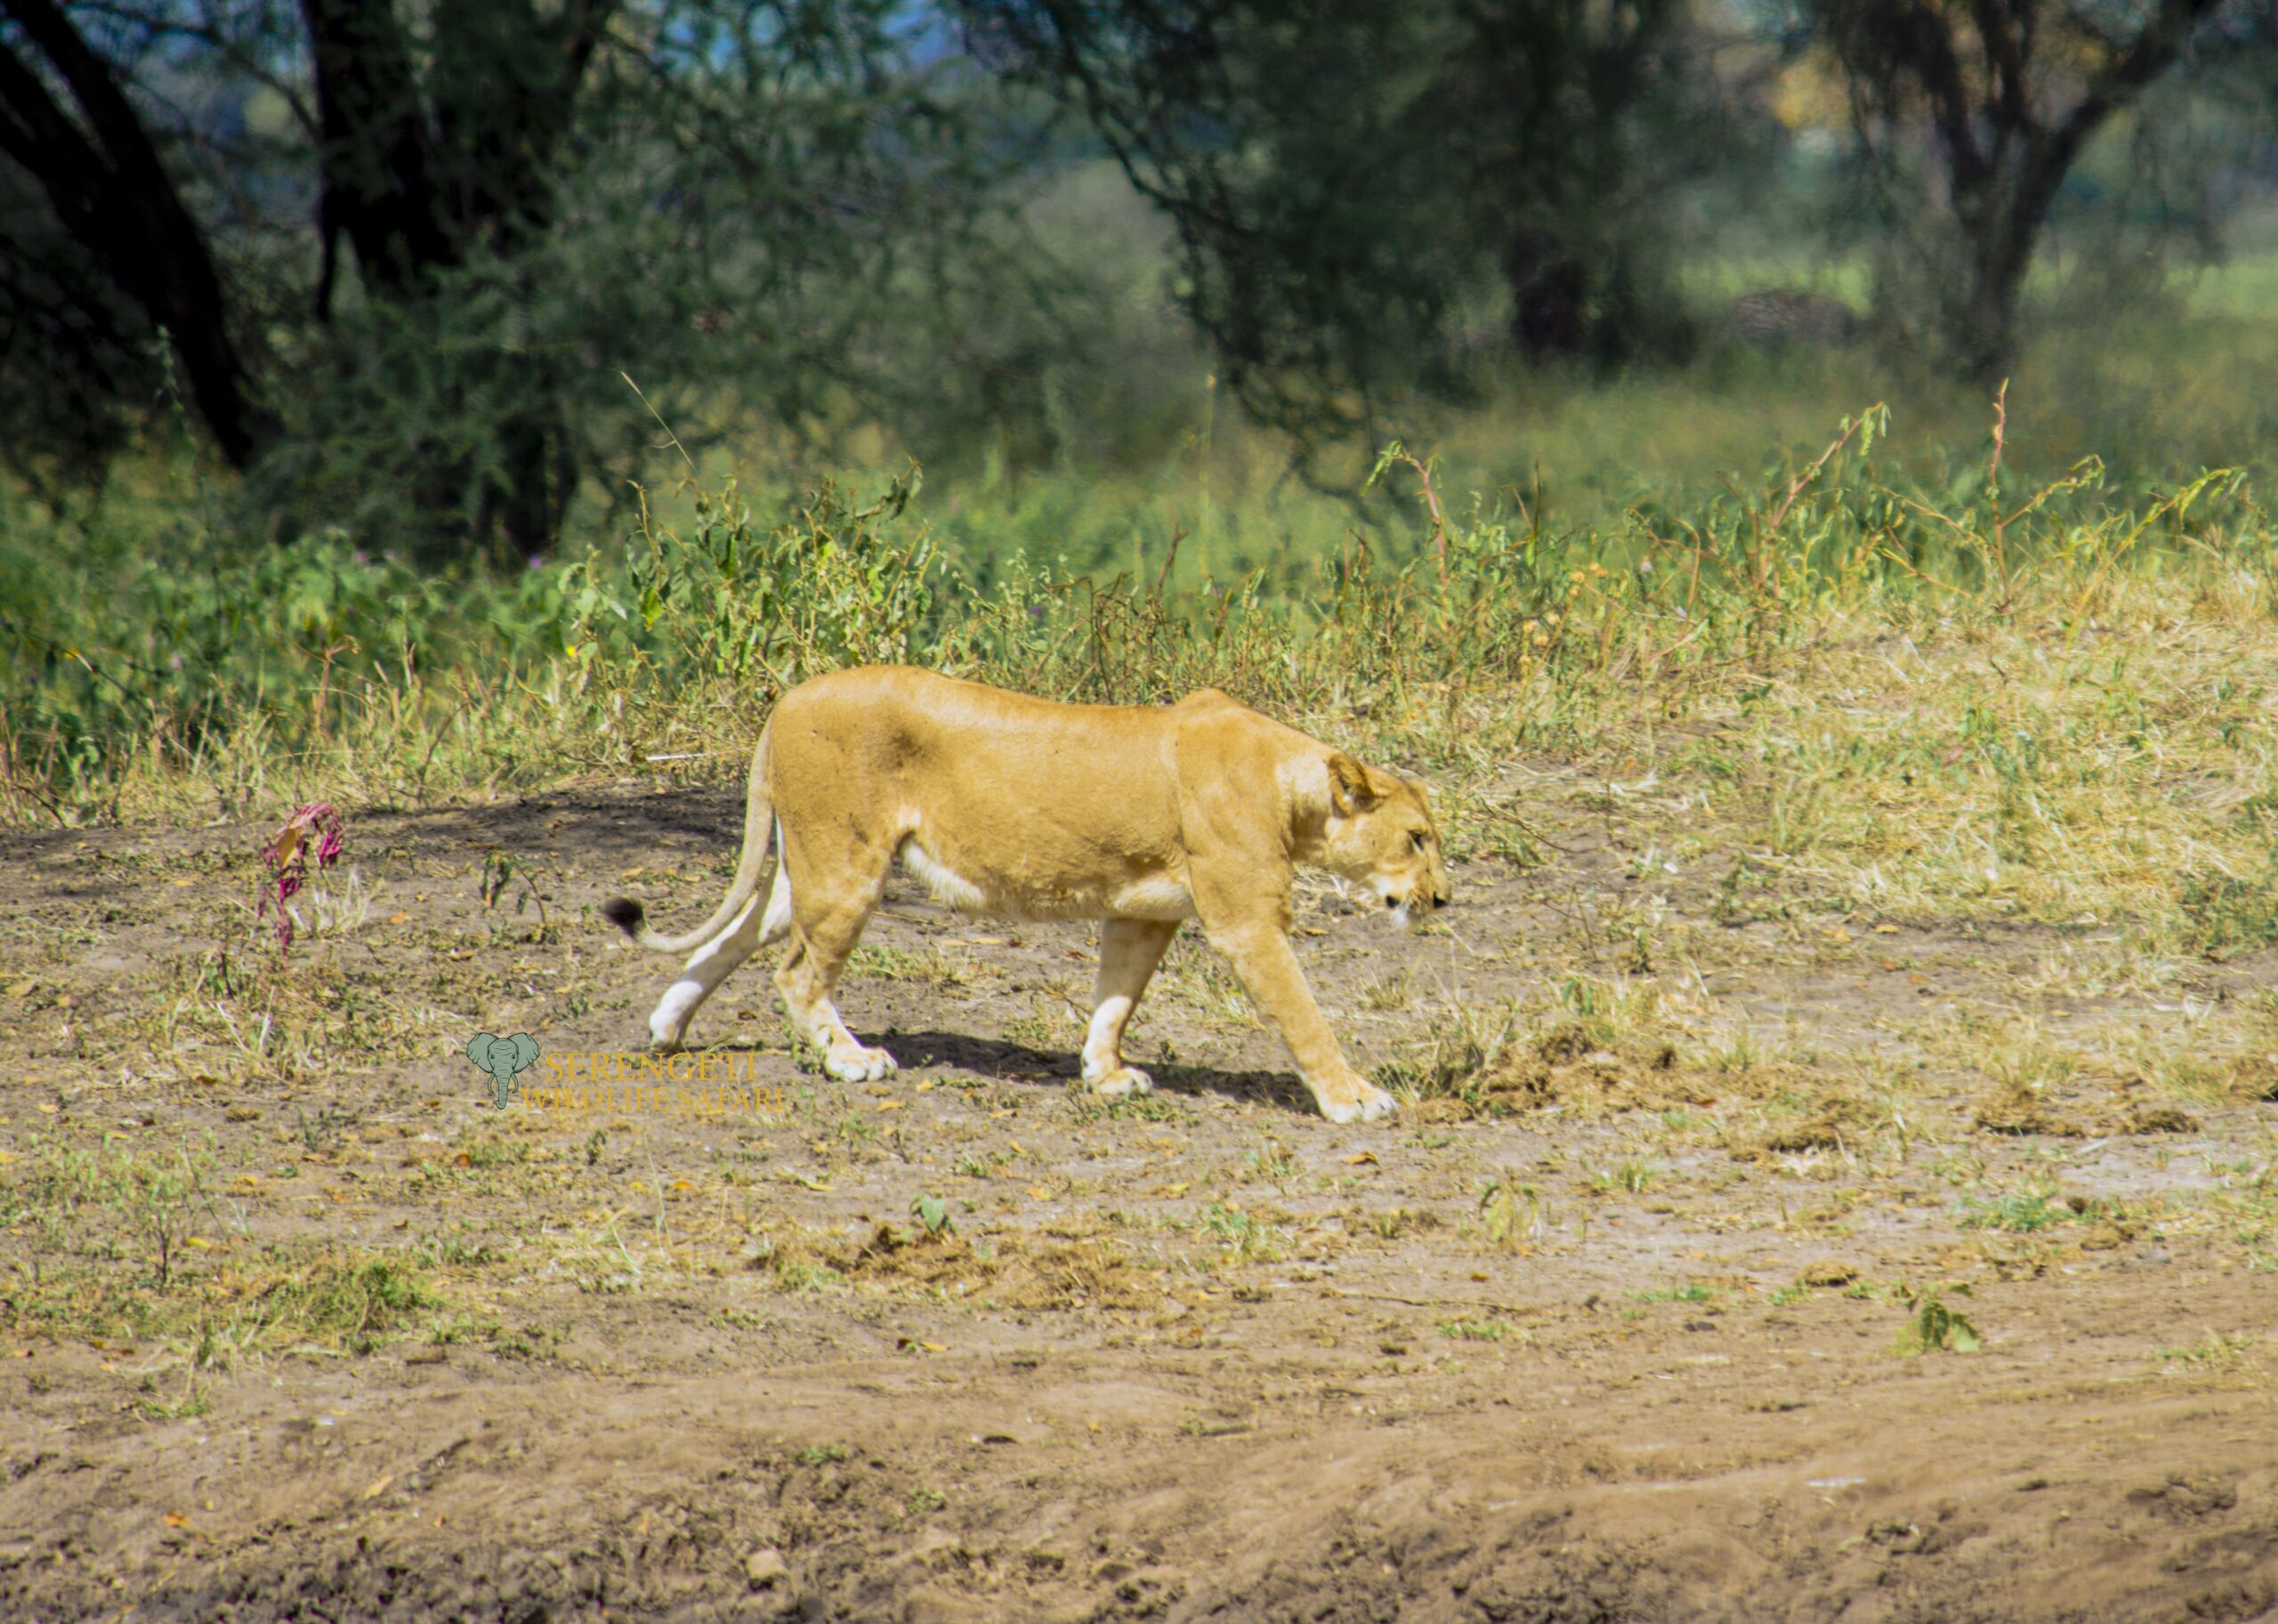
column 1612, row 1325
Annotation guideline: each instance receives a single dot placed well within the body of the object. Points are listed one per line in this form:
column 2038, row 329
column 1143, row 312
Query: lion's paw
column 1121, row 1081
column 859, row 1065
column 1372, row 1104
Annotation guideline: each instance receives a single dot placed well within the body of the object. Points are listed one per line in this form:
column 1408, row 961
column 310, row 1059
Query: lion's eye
column 1415, row 838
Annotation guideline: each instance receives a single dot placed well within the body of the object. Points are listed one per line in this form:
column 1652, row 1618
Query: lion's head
column 1380, row 833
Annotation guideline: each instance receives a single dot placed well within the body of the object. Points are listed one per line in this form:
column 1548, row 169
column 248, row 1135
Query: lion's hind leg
column 823, row 934
column 749, row 930
column 1129, row 951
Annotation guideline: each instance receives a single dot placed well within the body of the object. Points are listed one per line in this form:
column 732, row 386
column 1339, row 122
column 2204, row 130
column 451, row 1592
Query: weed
column 1272, row 1162
column 1513, row 1212
column 932, row 1214
column 1690, row 1292
column 1932, row 1325
column 2024, row 1213
column 1242, row 1235
column 2215, row 1351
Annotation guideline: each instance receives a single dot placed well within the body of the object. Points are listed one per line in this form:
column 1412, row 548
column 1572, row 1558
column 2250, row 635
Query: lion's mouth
column 1405, row 910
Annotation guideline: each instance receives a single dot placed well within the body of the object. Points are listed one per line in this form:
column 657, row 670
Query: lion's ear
column 1349, row 788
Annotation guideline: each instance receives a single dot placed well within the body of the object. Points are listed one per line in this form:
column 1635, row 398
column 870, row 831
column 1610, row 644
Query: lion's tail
column 759, row 825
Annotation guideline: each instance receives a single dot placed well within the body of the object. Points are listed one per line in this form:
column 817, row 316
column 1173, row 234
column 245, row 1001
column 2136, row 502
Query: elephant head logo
column 503, row 1058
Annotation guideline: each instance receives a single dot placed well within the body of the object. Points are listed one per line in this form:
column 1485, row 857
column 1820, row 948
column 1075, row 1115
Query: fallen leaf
column 683, row 1183
column 175, row 1519
column 1364, row 1158
column 23, row 989
column 379, row 1488
column 398, row 918
column 1038, row 1192
column 889, row 1104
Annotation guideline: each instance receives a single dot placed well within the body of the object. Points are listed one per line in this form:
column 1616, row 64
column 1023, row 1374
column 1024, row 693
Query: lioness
column 1000, row 803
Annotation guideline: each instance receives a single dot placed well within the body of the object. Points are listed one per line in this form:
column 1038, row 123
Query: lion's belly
column 1153, row 896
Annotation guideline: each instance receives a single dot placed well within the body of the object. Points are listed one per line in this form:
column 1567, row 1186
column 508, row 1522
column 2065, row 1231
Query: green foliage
column 831, row 586
column 155, row 1199
column 512, row 200
column 1243, row 1236
column 241, row 655
column 1358, row 189
column 1513, row 1212
column 1691, row 1292
column 1933, row 1325
column 2022, row 1212
column 932, row 1214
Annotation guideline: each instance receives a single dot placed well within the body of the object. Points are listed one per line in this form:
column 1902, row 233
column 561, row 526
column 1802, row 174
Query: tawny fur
column 1000, row 803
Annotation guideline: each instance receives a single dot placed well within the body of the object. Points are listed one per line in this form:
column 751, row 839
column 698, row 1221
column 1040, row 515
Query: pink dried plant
column 287, row 856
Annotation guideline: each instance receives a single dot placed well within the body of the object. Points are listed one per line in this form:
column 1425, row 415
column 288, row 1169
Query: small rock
column 767, row 1568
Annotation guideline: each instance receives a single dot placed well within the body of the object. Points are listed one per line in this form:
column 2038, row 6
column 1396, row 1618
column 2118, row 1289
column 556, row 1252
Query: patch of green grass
column 802, row 1274
column 1030, row 1031
column 2215, row 1351
column 2022, row 1212
column 1690, row 1292
column 1933, row 1325
column 929, row 966
column 1271, row 1162
column 1240, row 1234
column 1514, row 1212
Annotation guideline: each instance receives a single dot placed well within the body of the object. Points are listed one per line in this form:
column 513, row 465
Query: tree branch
column 120, row 204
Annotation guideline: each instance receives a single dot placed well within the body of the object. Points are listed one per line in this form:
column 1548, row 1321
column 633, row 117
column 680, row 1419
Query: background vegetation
column 432, row 400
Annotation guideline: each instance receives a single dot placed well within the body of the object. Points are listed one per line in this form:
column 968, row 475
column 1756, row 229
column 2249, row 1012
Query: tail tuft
column 624, row 913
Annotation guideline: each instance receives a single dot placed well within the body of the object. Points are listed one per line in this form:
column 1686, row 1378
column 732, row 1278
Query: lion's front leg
column 1129, row 951
column 1276, row 983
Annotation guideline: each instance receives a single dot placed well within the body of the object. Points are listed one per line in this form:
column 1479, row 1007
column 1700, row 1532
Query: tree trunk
column 104, row 179
column 1983, row 323
column 1550, row 294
